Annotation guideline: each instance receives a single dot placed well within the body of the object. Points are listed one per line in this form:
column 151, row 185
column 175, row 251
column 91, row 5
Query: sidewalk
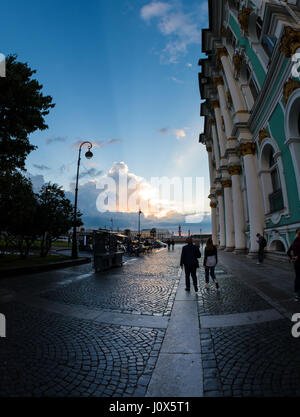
column 135, row 331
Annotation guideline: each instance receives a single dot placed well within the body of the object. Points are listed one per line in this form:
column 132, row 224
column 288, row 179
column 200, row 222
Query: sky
column 123, row 75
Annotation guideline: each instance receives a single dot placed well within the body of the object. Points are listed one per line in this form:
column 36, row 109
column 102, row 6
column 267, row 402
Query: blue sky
column 123, row 74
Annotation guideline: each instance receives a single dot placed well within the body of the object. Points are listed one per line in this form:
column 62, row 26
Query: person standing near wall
column 294, row 255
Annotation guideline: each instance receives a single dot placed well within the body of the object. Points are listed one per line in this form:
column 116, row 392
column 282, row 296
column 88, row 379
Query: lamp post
column 88, row 155
column 139, row 235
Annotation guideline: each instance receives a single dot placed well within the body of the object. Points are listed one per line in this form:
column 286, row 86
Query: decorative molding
column 235, row 170
column 222, row 52
column 215, row 104
column 290, row 41
column 219, row 192
column 237, row 60
column 218, row 81
column 226, row 183
column 213, row 204
column 263, row 134
column 232, row 138
column 289, row 86
column 248, row 148
column 243, row 18
column 209, row 148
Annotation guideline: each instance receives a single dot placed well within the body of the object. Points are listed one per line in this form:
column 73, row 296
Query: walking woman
column 294, row 255
column 210, row 262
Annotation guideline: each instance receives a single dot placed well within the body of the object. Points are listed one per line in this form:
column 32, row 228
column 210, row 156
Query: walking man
column 294, row 255
column 262, row 243
column 189, row 259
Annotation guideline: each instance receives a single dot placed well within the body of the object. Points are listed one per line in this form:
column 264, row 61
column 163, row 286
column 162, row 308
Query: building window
column 268, row 43
column 230, row 39
column 253, row 88
column 275, row 197
column 259, row 24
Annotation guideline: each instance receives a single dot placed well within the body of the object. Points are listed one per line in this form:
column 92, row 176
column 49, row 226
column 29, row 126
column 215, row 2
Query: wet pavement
column 134, row 331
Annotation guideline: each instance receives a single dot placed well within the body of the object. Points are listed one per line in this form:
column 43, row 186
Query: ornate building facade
column 251, row 90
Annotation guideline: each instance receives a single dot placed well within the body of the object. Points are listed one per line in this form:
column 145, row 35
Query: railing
column 276, row 201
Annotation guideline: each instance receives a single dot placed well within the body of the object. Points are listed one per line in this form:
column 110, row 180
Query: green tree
column 55, row 215
column 18, row 210
column 22, row 111
column 153, row 233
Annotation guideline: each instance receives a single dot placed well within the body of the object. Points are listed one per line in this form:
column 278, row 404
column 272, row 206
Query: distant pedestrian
column 173, row 243
column 189, row 260
column 294, row 255
column 210, row 262
column 169, row 244
column 262, row 243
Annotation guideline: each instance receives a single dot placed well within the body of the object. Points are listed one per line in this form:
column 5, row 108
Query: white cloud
column 154, row 9
column 181, row 28
column 176, row 80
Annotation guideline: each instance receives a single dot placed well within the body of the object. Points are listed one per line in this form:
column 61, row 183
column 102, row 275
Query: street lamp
column 139, row 235
column 88, row 155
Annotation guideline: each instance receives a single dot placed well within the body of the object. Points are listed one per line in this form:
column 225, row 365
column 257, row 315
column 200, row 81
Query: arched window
column 292, row 131
column 277, row 246
column 272, row 178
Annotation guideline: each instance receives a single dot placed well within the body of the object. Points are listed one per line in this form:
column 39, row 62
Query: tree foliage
column 22, row 111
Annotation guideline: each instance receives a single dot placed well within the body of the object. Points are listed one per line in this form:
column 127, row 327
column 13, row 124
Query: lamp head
column 89, row 154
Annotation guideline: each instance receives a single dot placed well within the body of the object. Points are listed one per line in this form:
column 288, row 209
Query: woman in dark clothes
column 294, row 254
column 210, row 262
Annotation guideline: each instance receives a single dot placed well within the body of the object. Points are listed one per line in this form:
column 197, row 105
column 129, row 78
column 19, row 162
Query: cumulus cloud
column 41, row 167
column 56, row 139
column 181, row 28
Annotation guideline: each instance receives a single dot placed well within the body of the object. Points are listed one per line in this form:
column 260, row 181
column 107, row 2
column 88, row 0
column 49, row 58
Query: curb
column 8, row 272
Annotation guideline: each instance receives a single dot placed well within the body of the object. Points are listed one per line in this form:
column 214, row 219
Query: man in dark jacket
column 261, row 248
column 294, row 254
column 189, row 259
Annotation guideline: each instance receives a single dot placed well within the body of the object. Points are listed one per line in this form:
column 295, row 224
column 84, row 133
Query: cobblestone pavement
column 60, row 353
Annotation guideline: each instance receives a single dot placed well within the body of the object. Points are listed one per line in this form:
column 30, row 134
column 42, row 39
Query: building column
column 215, row 144
column 229, row 222
column 236, row 94
column 214, row 229
column 238, row 209
column 219, row 194
column 254, row 196
column 219, row 83
column 229, row 225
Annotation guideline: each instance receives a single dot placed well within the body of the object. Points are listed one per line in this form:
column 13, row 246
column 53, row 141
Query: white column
column 214, row 229
column 221, row 133
column 229, row 224
column 215, row 144
column 210, row 165
column 238, row 209
column 221, row 218
column 218, row 81
column 236, row 94
column 255, row 203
